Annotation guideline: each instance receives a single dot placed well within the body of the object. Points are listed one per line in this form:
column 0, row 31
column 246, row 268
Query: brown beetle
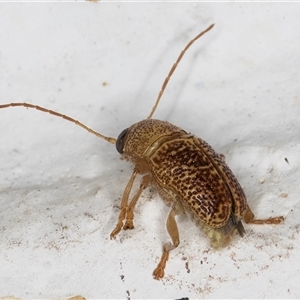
column 188, row 174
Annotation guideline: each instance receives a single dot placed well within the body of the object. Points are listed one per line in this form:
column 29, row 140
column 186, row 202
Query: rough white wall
column 103, row 64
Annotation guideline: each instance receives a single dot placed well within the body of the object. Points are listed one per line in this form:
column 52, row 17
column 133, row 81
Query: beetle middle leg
column 249, row 218
column 126, row 212
column 174, row 234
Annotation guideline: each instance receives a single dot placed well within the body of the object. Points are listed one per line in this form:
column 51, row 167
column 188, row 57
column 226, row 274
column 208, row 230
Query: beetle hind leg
column 249, row 218
column 174, row 234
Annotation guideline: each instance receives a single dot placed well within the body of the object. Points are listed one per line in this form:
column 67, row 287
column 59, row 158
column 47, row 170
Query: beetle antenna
column 174, row 68
column 40, row 108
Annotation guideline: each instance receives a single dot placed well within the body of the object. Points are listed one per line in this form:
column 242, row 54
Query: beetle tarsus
column 159, row 272
column 129, row 220
column 119, row 225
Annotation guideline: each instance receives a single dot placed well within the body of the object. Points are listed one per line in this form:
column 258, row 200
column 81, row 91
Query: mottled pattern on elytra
column 199, row 176
column 239, row 200
column 186, row 166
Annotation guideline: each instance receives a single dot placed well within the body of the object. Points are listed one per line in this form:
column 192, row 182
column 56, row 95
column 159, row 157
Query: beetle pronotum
column 188, row 174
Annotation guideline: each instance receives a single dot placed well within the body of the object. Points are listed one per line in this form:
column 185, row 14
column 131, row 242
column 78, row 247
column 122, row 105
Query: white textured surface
column 237, row 88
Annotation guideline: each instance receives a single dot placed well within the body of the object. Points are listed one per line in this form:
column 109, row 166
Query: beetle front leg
column 174, row 234
column 124, row 203
column 145, row 182
column 127, row 209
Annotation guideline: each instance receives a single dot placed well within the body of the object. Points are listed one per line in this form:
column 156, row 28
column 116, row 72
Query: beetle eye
column 120, row 141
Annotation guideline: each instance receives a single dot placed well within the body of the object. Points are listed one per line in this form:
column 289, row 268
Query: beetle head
column 140, row 138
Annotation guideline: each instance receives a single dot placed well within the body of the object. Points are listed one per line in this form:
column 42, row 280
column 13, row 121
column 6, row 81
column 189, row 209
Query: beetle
column 189, row 175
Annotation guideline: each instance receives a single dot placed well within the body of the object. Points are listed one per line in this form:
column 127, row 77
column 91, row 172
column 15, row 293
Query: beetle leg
column 127, row 209
column 124, row 204
column 174, row 234
column 145, row 182
column 249, row 218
